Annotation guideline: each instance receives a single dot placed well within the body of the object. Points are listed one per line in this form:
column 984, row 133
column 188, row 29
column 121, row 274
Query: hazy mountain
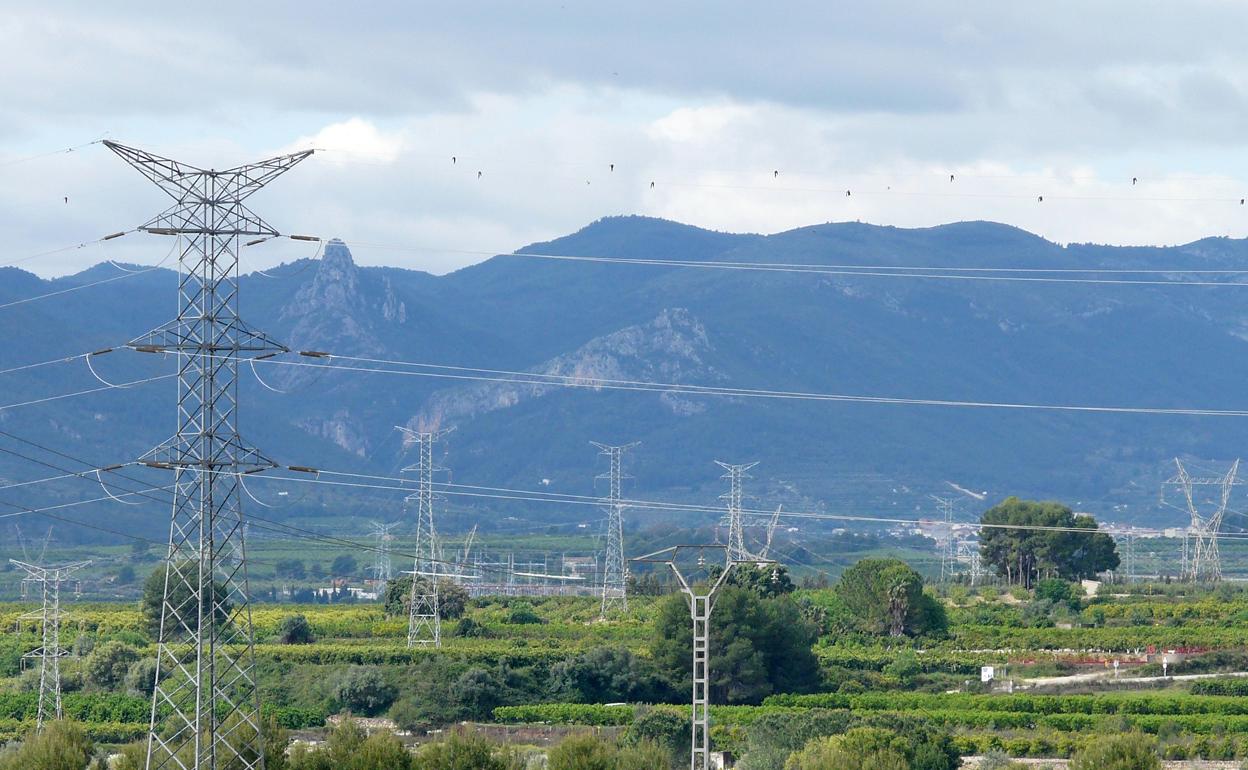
column 1018, row 342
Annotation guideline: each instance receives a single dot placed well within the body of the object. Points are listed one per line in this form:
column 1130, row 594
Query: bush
column 107, row 666
column 522, row 613
column 858, row 749
column 1130, row 751
column 661, row 725
column 471, row 629
column 59, row 745
column 581, row 752
column 363, row 690
column 141, row 677
column 295, row 629
column 460, row 751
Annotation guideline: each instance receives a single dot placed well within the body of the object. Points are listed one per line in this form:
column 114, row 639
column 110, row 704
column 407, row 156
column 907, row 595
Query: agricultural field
column 788, row 664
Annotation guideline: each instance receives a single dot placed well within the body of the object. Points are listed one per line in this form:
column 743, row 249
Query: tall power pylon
column 1203, row 560
column 736, row 529
column 614, row 576
column 947, row 561
column 424, row 620
column 383, row 533
column 208, row 700
column 49, row 652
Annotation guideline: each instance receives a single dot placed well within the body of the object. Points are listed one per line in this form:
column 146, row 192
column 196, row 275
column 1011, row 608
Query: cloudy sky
column 707, row 100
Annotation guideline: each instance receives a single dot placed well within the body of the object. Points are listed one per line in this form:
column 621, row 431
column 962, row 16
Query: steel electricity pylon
column 702, row 571
column 47, row 581
column 947, row 561
column 383, row 533
column 736, row 528
column 1203, row 561
column 205, row 702
column 424, row 620
column 614, row 574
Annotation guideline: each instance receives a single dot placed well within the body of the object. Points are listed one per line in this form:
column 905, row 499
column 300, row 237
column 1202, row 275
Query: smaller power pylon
column 424, row 620
column 614, row 574
column 701, row 582
column 383, row 533
column 1203, row 560
column 735, row 474
column 49, row 652
column 968, row 554
column 947, row 562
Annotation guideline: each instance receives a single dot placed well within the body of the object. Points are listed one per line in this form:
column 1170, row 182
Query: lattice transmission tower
column 1203, row 560
column 614, row 574
column 383, row 533
column 424, row 620
column 47, row 581
column 205, row 701
column 948, row 561
column 735, row 474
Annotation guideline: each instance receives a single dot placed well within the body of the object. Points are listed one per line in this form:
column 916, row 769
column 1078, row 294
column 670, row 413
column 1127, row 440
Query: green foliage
column 757, row 646
column 347, row 748
column 106, row 667
column 364, row 691
column 522, row 613
column 605, row 675
column 141, row 677
column 1058, row 591
column 344, row 565
column 471, row 629
column 180, row 597
column 59, row 746
column 1131, row 751
column 452, row 598
column 581, row 752
column 765, row 580
column 462, row 750
column 661, row 725
column 1022, row 555
column 295, row 629
column 885, row 596
column 772, row 737
column 290, row 569
column 859, row 749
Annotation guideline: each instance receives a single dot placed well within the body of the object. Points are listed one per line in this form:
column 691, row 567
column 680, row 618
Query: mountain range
column 1138, row 340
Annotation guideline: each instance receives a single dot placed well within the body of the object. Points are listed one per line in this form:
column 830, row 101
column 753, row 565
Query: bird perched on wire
column 478, row 175
column 452, row 160
column 775, row 174
column 652, row 187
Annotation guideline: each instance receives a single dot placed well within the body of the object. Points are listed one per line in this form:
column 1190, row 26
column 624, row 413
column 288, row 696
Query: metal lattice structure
column 735, row 474
column 614, row 573
column 47, row 581
column 700, row 582
column 205, row 701
column 947, row 561
column 1202, row 558
column 967, row 552
column 383, row 533
column 424, row 620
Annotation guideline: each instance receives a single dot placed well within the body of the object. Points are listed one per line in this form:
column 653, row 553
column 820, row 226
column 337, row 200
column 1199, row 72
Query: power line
column 86, row 392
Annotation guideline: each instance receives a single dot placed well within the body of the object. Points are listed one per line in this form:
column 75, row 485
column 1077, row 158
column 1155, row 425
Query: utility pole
column 49, row 652
column 700, row 582
column 736, row 529
column 208, row 705
column 383, row 533
column 614, row 576
column 1203, row 561
column 424, row 619
column 945, row 504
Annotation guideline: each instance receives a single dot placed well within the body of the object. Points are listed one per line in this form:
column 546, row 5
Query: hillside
column 1134, row 345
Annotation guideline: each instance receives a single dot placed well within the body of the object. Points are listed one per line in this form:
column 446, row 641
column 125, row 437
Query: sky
column 737, row 116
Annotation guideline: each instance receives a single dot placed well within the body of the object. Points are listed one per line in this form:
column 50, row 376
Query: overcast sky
column 1068, row 101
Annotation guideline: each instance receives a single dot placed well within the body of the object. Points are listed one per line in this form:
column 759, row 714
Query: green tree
column 186, row 614
column 295, row 629
column 106, row 667
column 885, row 596
column 343, row 565
column 758, row 646
column 644, row 755
column 663, row 725
column 364, row 691
column 1022, row 555
column 1126, row 751
column 452, row 598
column 141, row 677
column 291, row 569
column 765, row 580
column 60, row 745
column 604, row 675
